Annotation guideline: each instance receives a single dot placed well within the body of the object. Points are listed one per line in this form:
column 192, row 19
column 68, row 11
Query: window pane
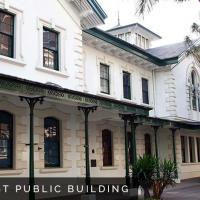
column 192, row 150
column 128, row 37
column 145, row 92
column 6, row 144
column 50, row 49
column 6, row 34
column 5, row 45
column 6, row 23
column 51, row 142
column 127, row 85
column 104, row 71
column 50, row 59
column 50, row 39
column 194, row 100
column 107, row 148
column 183, row 148
column 104, row 79
column 198, row 149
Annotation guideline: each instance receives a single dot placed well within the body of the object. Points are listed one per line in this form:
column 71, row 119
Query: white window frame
column 103, row 60
column 142, row 76
column 128, row 69
column 41, row 23
column 18, row 56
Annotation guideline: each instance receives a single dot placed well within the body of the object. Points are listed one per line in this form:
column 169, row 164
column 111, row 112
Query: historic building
column 77, row 101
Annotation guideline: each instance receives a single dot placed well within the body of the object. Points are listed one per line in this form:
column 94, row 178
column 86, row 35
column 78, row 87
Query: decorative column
column 133, row 139
column 133, row 143
column 32, row 101
column 131, row 118
column 127, row 176
column 86, row 110
column 173, row 130
column 155, row 128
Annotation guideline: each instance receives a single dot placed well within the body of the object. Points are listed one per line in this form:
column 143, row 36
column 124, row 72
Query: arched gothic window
column 51, row 142
column 194, row 91
column 6, row 140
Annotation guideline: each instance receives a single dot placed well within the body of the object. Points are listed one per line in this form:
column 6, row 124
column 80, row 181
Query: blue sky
column 172, row 21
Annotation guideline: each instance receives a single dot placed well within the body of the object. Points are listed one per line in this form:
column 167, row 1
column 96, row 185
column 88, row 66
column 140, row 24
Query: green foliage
column 143, row 172
column 147, row 5
column 149, row 172
column 167, row 176
column 193, row 48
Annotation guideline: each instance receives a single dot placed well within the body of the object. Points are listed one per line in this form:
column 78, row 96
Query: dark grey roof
column 134, row 24
column 168, row 51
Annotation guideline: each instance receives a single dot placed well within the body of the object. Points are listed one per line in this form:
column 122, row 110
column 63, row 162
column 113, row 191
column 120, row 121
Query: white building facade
column 50, row 51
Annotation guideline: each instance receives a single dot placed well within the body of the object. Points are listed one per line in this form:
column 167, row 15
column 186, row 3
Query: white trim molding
column 62, row 46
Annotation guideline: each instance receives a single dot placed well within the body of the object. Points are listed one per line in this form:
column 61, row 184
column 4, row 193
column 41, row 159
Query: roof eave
column 129, row 47
column 97, row 9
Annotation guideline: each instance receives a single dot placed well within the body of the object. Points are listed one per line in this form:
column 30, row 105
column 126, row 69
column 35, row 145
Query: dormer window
column 141, row 41
column 121, row 36
column 128, row 37
column 135, row 34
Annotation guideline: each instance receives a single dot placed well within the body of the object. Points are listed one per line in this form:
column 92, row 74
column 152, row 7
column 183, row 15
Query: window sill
column 189, row 164
column 53, row 170
column 51, row 71
column 105, row 95
column 146, row 105
column 10, row 172
column 109, row 168
column 127, row 100
column 12, row 61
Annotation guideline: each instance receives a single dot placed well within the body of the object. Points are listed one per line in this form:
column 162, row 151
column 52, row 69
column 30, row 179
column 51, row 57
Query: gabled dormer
column 135, row 34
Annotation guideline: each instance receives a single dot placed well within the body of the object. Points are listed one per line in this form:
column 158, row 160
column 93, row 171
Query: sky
column 171, row 20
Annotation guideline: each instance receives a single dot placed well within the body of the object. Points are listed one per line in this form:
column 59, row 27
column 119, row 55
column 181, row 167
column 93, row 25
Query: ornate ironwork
column 20, row 88
column 86, row 110
column 32, row 101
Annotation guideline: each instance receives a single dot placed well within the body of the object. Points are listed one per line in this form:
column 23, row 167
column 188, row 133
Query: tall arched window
column 51, row 142
column 147, row 139
column 195, row 101
column 6, row 140
column 107, row 148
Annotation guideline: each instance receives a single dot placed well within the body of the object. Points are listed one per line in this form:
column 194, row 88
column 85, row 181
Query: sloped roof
column 131, row 48
column 168, row 51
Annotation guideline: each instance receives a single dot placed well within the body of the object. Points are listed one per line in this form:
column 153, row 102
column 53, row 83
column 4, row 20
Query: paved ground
column 187, row 190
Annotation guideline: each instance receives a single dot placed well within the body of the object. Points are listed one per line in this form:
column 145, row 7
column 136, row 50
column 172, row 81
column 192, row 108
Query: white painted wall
column 172, row 94
column 31, row 16
column 92, row 61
